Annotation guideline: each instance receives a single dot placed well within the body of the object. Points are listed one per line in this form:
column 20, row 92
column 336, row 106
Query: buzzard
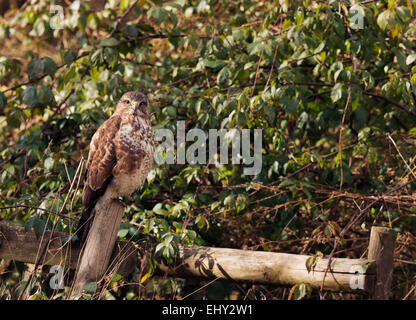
column 120, row 157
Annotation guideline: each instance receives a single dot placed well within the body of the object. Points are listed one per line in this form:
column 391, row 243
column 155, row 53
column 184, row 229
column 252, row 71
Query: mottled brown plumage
column 120, row 157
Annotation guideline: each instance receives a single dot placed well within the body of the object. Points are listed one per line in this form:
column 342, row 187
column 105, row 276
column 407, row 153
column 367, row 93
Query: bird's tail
column 84, row 224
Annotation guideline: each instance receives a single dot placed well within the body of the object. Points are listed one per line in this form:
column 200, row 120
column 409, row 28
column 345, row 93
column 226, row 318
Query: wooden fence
column 371, row 275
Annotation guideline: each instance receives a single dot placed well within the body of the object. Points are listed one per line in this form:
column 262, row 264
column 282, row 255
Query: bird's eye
column 127, row 101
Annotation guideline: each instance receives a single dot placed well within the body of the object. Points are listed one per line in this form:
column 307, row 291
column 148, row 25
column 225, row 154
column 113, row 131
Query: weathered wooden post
column 99, row 246
column 381, row 249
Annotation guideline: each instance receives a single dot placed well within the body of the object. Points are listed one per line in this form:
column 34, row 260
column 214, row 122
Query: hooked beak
column 137, row 109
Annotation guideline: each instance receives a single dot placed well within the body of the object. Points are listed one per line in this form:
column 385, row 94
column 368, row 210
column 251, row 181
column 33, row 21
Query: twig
column 45, row 249
column 13, row 157
column 37, row 208
column 398, row 105
column 274, row 57
column 356, row 219
column 258, row 66
column 180, row 80
column 340, row 138
column 120, row 21
column 58, row 108
column 401, row 156
column 44, row 75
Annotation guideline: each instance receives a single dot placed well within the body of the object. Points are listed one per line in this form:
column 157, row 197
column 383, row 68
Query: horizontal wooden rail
column 273, row 268
column 350, row 275
column 17, row 244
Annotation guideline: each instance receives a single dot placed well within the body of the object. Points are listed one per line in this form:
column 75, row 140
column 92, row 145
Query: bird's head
column 135, row 102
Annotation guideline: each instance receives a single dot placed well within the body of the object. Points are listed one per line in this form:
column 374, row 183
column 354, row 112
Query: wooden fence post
column 99, row 246
column 381, row 249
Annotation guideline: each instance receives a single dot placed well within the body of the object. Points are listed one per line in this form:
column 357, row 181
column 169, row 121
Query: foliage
column 336, row 103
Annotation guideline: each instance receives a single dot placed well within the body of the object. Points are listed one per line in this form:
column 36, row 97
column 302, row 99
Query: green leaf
column 289, row 105
column 286, row 183
column 320, row 47
column 116, row 277
column 158, row 13
column 69, row 57
column 39, row 227
column 224, row 77
column 300, row 291
column 30, row 97
column 37, row 224
column 38, row 68
column 46, row 97
column 311, row 262
column 109, row 42
column 255, row 48
column 122, row 233
column 410, row 58
column 336, row 92
column 130, row 32
column 386, row 19
column 158, row 209
column 90, row 287
column 403, row 13
column 29, row 223
column 49, row 66
column 49, row 163
column 35, row 69
column 146, row 28
column 214, row 64
column 14, row 118
column 69, row 75
column 159, row 247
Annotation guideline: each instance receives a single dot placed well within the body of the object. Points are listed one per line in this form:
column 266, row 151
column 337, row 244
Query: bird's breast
column 134, row 148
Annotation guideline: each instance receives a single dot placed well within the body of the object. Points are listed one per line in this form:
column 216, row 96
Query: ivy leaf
column 29, row 223
column 122, row 233
column 90, row 287
column 37, row 224
column 116, row 278
column 39, row 227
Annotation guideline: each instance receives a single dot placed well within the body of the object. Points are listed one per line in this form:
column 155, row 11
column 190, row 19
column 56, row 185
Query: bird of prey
column 120, row 157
